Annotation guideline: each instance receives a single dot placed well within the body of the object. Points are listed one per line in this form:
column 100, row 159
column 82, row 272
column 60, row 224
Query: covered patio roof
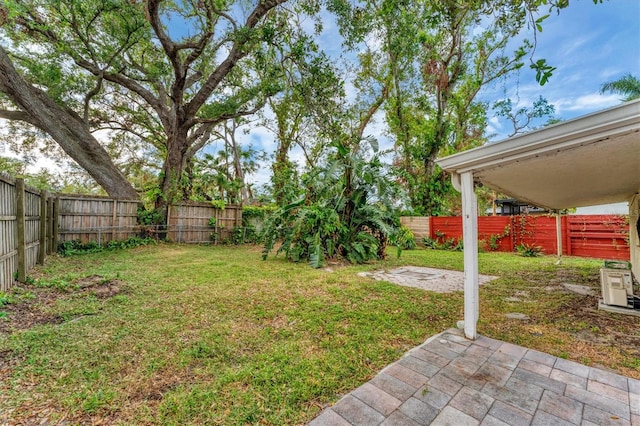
column 590, row 160
column 594, row 159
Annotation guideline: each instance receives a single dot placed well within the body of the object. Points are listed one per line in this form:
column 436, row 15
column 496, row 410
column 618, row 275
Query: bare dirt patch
column 586, row 323
column 32, row 305
column 100, row 287
column 590, row 325
column 573, row 328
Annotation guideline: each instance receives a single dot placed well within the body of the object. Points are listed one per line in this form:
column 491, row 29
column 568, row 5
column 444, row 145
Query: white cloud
column 586, row 103
column 495, row 122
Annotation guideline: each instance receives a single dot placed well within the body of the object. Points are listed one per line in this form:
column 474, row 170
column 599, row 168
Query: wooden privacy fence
column 190, row 222
column 597, row 236
column 26, row 223
column 32, row 223
column 99, row 219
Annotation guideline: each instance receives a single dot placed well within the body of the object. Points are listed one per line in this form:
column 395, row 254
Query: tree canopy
column 134, row 90
column 160, row 72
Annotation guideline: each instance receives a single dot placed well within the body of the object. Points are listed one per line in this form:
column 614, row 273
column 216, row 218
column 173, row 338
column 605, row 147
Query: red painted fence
column 598, row 236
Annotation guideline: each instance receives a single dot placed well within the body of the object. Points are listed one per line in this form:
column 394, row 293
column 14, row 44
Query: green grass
column 214, row 335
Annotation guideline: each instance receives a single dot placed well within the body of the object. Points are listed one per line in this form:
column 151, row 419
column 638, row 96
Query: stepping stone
column 579, row 289
column 517, row 315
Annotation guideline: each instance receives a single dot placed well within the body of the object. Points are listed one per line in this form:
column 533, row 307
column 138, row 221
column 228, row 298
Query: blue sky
column 589, row 44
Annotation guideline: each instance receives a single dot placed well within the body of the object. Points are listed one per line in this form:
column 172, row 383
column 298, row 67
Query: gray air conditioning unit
column 617, row 287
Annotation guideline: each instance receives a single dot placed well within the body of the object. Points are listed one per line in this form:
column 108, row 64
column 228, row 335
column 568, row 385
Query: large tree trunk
column 238, row 170
column 172, row 170
column 281, row 169
column 66, row 128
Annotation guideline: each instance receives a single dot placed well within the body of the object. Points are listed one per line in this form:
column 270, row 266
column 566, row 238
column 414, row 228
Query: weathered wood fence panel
column 22, row 234
column 98, row 219
column 419, row 225
column 32, row 215
column 8, row 232
column 189, row 222
column 32, row 224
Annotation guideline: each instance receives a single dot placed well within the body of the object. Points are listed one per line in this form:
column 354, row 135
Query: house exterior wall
column 634, row 238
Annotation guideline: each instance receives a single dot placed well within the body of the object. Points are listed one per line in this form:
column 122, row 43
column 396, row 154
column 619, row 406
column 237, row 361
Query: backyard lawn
column 185, row 334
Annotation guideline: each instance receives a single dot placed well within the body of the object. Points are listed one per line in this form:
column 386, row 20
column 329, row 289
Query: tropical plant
column 403, row 239
column 346, row 213
column 528, row 250
column 627, row 85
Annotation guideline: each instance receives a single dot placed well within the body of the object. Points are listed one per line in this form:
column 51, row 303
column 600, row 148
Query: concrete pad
column 438, row 280
column 580, row 289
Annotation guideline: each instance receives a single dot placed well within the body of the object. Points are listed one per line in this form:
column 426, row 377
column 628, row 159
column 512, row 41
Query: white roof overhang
column 590, row 160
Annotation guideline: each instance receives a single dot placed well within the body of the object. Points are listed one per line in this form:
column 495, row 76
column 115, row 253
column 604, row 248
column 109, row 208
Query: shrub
column 68, row 248
column 529, row 250
column 451, row 244
column 403, row 239
column 218, row 204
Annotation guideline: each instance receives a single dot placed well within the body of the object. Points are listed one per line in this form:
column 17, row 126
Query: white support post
column 559, row 236
column 470, row 240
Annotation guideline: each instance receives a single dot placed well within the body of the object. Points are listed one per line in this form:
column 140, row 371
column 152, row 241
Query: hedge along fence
column 191, row 222
column 597, row 236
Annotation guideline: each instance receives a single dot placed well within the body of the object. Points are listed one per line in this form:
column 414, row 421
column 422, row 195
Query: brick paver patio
column 449, row 380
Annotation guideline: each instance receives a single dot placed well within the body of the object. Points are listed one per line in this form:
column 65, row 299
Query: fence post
column 113, row 220
column 54, row 225
column 20, row 224
column 559, row 236
column 42, row 249
column 431, row 234
column 567, row 228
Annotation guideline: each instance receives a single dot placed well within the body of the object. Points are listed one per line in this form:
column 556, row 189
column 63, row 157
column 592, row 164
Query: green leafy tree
column 305, row 71
column 121, row 65
column 12, row 166
column 438, row 56
column 521, row 118
column 346, row 210
column 627, row 86
column 223, row 175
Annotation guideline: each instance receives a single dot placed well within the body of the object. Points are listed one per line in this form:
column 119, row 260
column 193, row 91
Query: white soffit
column 594, row 159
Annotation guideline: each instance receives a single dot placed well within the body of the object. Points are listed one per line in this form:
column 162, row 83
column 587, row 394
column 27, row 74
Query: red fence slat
column 597, row 236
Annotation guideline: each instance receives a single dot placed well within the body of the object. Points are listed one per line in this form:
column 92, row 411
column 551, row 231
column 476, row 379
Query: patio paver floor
column 449, row 380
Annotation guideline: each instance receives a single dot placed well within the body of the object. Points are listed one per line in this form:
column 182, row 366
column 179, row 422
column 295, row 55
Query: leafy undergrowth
column 214, row 335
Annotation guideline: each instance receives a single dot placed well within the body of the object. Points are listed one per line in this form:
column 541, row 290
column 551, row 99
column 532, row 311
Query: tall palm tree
column 627, row 85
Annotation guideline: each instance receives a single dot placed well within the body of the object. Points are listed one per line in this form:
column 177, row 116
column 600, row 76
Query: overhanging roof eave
column 590, row 128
